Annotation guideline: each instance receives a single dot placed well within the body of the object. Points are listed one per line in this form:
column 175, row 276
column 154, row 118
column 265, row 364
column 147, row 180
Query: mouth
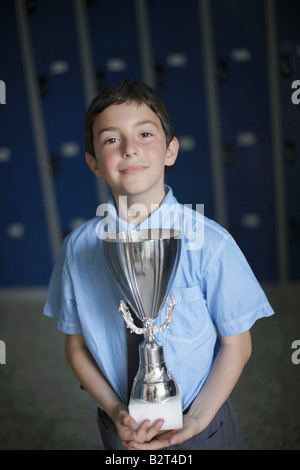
column 131, row 170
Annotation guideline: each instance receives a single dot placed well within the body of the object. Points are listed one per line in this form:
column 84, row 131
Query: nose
column 129, row 148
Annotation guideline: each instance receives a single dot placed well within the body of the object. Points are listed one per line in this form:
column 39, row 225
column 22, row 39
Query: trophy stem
column 155, row 393
column 153, row 382
column 149, row 327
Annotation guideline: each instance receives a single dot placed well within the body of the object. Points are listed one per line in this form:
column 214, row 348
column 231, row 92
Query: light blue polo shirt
column 214, row 288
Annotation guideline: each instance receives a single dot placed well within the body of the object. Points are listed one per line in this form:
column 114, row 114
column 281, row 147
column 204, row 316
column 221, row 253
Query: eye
column 146, row 134
column 111, row 140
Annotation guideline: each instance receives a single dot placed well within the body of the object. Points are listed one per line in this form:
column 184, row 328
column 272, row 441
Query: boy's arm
column 232, row 357
column 94, row 382
column 89, row 374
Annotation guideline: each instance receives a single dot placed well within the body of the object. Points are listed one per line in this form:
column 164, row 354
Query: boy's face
column 131, row 152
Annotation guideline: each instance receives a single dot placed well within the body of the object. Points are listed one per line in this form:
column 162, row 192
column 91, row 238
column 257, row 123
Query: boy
column 129, row 142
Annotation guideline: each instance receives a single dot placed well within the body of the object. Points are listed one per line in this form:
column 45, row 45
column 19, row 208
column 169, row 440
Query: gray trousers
column 223, row 433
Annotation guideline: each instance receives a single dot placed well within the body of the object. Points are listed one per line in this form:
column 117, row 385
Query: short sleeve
column 60, row 302
column 234, row 297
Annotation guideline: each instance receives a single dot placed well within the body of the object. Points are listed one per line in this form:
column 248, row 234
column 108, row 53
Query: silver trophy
column 144, row 264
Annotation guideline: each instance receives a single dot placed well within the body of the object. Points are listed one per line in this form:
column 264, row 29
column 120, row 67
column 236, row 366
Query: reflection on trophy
column 144, row 264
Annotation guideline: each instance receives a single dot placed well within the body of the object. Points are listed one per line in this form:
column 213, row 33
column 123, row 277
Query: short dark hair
column 126, row 91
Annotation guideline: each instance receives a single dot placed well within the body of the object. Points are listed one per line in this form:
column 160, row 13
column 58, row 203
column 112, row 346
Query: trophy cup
column 144, row 264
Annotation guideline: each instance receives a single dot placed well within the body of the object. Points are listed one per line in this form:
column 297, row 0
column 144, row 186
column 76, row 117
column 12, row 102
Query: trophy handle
column 169, row 316
column 149, row 329
column 129, row 320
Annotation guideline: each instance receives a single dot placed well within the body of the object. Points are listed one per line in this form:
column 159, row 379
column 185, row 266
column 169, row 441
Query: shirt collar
column 166, row 216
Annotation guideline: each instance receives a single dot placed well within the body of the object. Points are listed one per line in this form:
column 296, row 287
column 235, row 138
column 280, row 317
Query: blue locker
column 244, row 91
column 58, row 67
column 288, row 14
column 113, row 32
column 176, row 43
column 24, row 245
column 236, row 21
column 241, row 58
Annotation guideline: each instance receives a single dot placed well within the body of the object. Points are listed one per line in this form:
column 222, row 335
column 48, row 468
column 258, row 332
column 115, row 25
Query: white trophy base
column 169, row 410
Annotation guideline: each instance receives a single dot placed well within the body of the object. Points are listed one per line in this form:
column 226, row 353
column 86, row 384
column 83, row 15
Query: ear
column 93, row 165
column 172, row 152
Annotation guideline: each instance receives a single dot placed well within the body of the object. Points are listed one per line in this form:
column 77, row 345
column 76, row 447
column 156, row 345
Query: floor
column 42, row 406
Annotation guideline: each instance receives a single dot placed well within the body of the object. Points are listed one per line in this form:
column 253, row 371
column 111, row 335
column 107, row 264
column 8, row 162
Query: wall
column 225, row 68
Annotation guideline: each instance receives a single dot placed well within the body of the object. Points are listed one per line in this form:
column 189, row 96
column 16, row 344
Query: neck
column 136, row 209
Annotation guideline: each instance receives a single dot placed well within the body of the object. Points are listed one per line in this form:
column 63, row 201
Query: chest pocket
column 191, row 320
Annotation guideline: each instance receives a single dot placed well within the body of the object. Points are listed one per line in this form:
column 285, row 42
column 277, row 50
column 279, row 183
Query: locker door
column 25, row 258
column 240, row 48
column 178, row 59
column 113, row 32
column 288, row 14
column 55, row 47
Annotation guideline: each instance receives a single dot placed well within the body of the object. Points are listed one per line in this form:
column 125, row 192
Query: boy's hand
column 167, row 438
column 129, row 431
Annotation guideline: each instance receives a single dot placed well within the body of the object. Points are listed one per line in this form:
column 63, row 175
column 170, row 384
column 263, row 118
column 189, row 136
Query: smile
column 131, row 170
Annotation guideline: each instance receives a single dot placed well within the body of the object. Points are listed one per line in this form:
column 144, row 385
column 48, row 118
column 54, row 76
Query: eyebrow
column 106, row 129
column 136, row 124
column 146, row 121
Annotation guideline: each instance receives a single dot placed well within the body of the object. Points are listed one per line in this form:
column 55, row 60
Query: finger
column 145, row 425
column 130, row 422
column 182, row 435
column 154, row 429
column 147, row 432
column 178, row 438
column 140, row 434
column 155, row 444
column 143, row 428
column 159, row 441
column 127, row 445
